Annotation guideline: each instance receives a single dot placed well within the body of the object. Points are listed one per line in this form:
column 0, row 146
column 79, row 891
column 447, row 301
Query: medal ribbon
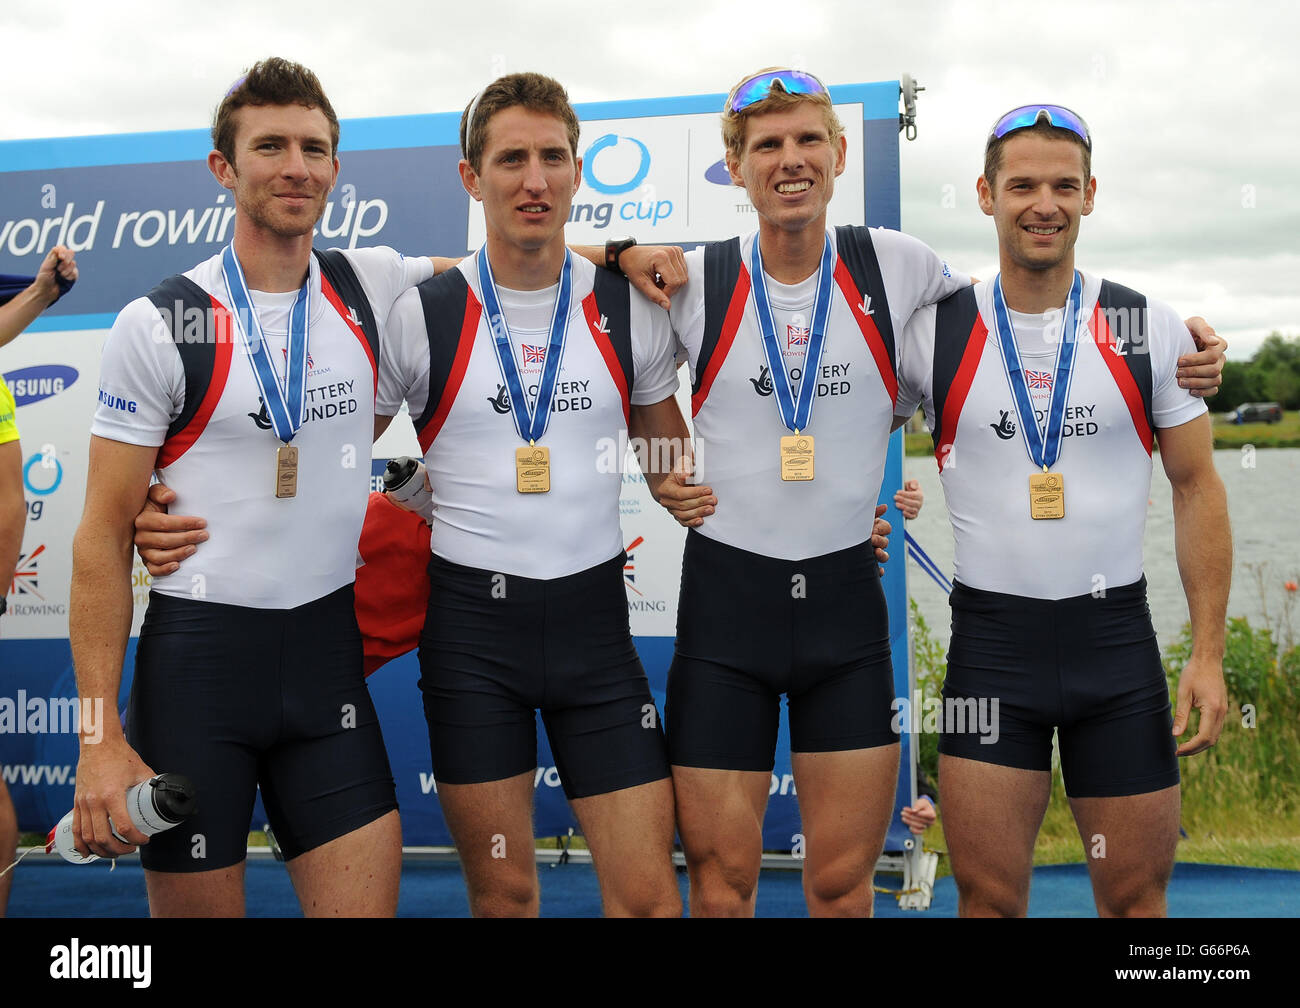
column 531, row 424
column 284, row 403
column 1044, row 448
column 795, row 413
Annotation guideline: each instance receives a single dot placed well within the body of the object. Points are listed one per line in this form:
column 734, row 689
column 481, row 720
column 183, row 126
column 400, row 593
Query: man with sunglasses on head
column 780, row 593
column 779, row 590
column 1045, row 389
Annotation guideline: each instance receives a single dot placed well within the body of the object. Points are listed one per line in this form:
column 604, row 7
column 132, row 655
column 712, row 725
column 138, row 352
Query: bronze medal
column 286, row 471
column 1046, row 495
column 532, row 469
column 796, row 458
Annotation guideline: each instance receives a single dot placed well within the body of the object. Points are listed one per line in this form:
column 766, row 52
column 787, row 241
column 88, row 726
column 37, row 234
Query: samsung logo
column 116, row 402
column 32, row 384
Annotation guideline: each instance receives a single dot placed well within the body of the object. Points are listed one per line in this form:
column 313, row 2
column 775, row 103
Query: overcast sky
column 1193, row 105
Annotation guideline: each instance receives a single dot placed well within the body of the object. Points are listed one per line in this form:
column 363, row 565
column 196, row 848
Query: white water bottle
column 154, row 805
column 407, row 486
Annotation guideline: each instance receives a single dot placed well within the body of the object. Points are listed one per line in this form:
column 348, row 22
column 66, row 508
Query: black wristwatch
column 614, row 248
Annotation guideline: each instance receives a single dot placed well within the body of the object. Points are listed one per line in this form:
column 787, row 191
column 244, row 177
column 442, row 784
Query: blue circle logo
column 613, row 189
column 35, row 462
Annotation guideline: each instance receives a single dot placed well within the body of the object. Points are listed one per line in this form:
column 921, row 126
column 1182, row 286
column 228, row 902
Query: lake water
column 1263, row 488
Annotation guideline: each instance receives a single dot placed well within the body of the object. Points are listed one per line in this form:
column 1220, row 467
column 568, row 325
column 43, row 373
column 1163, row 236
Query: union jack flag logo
column 26, row 573
column 629, row 568
column 1039, row 379
column 534, row 354
column 285, row 351
column 797, row 335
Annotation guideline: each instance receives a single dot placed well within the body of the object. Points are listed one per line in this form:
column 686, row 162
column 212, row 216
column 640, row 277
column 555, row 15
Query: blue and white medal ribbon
column 1042, row 444
column 531, row 424
column 284, row 404
column 795, row 412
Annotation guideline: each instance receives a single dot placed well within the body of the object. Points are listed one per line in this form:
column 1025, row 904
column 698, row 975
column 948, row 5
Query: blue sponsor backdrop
column 140, row 207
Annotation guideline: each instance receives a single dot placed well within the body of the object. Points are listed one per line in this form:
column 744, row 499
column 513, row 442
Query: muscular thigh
column 991, row 816
column 1129, row 842
column 720, row 813
column 846, row 799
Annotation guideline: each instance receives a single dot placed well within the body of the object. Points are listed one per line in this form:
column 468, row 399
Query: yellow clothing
column 8, row 415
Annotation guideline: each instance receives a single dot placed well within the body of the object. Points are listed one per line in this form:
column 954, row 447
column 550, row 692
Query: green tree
column 1238, row 387
column 1278, row 351
column 1275, row 371
column 1283, row 386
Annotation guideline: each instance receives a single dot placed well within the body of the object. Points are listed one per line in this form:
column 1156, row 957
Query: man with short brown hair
column 1046, row 389
column 248, row 670
column 515, row 366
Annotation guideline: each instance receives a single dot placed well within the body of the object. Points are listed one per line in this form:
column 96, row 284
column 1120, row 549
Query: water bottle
column 406, row 484
column 154, row 805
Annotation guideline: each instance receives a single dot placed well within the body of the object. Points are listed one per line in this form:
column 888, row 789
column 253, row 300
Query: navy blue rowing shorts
column 751, row 627
column 497, row 647
column 1088, row 667
column 235, row 697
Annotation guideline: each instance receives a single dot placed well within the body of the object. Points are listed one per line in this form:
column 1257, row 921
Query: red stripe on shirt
column 332, row 296
column 960, row 388
column 459, row 364
column 875, row 343
column 223, row 336
column 730, row 323
column 606, row 349
column 1105, row 341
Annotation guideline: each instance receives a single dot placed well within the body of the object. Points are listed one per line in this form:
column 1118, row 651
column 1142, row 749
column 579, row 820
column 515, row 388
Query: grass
column 1285, row 434
column 919, row 444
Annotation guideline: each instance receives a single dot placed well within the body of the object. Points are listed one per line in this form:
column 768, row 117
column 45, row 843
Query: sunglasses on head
column 1027, row 115
column 754, row 89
